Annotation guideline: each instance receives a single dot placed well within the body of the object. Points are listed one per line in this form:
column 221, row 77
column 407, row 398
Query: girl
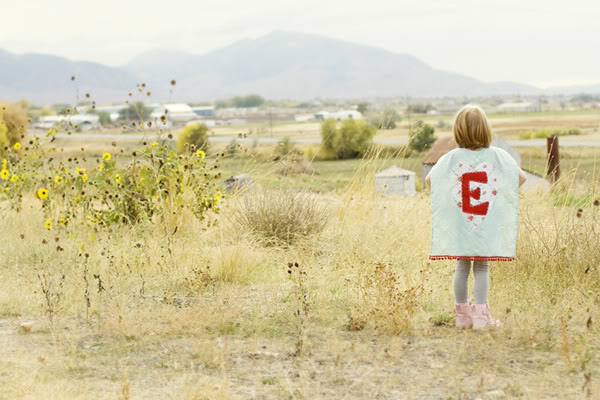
column 474, row 200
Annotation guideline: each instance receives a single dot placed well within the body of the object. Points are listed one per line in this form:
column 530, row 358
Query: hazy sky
column 543, row 42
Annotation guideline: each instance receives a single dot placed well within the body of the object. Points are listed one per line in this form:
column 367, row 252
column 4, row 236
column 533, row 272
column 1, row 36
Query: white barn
column 396, row 181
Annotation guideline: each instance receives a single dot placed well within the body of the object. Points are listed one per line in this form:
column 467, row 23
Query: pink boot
column 463, row 315
column 482, row 317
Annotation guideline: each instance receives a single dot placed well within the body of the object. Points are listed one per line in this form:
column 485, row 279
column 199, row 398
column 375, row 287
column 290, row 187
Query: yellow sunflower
column 4, row 175
column 106, row 156
column 154, row 144
column 14, row 178
column 48, row 224
column 100, row 167
column 118, row 179
column 58, row 179
column 84, row 177
column 42, row 193
column 17, row 146
column 201, row 154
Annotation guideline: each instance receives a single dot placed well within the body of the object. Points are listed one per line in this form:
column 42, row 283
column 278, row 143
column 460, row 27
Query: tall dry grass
column 365, row 269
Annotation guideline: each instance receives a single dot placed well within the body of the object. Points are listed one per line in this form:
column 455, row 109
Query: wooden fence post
column 553, row 159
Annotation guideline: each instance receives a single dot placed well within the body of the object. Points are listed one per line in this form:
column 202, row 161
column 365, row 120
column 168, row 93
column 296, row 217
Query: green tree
column 252, row 100
column 135, row 112
column 350, row 140
column 363, row 107
column 329, row 135
column 104, row 117
column 387, row 120
column 422, row 137
column 196, row 135
column 419, row 108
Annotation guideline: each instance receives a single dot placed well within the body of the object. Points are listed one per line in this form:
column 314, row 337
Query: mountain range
column 279, row 65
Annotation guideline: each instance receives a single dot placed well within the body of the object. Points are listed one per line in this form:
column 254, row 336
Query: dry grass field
column 335, row 301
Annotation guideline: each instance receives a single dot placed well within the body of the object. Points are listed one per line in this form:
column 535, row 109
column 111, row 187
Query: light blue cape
column 474, row 202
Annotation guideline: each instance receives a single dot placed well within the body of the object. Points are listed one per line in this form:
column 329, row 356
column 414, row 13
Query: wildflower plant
column 156, row 183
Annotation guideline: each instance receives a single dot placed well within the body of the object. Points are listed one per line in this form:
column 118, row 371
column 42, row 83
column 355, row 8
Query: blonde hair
column 472, row 130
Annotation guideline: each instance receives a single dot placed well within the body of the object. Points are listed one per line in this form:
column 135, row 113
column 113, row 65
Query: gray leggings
column 461, row 281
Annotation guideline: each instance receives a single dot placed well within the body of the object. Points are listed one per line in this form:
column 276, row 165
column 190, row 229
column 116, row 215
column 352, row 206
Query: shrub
column 388, row 301
column 392, row 151
column 195, row 135
column 419, row 108
column 362, row 107
column 285, row 147
column 544, row 133
column 422, row 137
column 351, row 140
column 278, row 217
column 296, row 167
column 135, row 112
column 387, row 119
column 13, row 125
column 104, row 118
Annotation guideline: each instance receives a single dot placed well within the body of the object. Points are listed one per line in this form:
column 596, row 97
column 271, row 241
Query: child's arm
column 428, row 179
column 522, row 177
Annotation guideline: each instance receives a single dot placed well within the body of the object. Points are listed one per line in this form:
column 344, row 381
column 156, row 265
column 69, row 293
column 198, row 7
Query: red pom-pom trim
column 468, row 258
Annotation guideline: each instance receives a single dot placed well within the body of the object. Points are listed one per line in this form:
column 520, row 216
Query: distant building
column 82, row 122
column 519, row 107
column 341, row 115
column 304, row 118
column 347, row 114
column 396, row 181
column 204, row 111
column 177, row 114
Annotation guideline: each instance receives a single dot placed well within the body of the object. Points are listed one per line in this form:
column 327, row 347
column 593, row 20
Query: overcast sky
column 542, row 42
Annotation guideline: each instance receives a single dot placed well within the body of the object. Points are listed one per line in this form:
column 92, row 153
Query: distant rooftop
column 394, row 171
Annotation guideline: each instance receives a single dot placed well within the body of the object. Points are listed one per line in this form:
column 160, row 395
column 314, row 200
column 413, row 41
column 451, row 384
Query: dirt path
column 74, row 362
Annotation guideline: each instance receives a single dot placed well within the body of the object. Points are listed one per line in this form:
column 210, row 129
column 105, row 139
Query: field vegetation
column 307, row 284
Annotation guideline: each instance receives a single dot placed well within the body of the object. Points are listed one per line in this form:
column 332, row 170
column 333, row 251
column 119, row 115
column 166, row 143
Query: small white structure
column 83, row 122
column 304, row 118
column 519, row 107
column 396, row 181
column 176, row 113
column 341, row 115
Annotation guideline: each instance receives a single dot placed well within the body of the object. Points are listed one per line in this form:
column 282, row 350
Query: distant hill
column 296, row 65
column 278, row 65
column 46, row 79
